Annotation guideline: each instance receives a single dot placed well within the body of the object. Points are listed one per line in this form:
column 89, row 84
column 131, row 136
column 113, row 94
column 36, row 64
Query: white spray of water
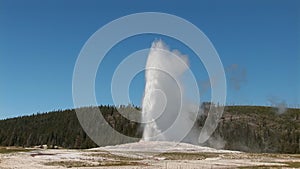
column 166, row 110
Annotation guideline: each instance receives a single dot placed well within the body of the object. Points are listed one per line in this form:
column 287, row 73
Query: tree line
column 245, row 128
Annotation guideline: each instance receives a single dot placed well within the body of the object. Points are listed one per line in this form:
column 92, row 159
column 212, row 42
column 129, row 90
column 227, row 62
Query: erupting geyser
column 167, row 112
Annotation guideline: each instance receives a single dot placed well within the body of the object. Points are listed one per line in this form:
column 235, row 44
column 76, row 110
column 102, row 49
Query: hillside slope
column 258, row 129
column 245, row 128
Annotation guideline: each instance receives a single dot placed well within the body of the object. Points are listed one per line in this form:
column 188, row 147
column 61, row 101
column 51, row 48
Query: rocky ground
column 149, row 155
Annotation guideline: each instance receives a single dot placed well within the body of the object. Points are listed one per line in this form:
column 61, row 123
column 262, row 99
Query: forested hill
column 258, row 129
column 245, row 128
column 62, row 128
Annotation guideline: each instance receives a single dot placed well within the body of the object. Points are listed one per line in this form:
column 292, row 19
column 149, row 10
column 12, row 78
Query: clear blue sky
column 40, row 41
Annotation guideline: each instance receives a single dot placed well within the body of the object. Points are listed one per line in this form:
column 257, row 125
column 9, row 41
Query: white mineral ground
column 151, row 155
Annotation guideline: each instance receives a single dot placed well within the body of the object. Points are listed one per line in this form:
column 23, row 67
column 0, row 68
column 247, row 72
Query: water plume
column 168, row 106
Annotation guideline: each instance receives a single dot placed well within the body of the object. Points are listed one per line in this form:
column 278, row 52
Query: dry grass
column 71, row 164
column 281, row 164
column 259, row 156
column 261, row 167
column 6, row 150
column 109, row 159
column 293, row 164
column 187, row 156
column 114, row 156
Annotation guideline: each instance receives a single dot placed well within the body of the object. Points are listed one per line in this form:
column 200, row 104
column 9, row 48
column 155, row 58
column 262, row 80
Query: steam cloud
column 236, row 76
column 166, row 108
column 279, row 104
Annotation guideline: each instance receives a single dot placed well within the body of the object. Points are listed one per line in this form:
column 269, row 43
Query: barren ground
column 151, row 155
